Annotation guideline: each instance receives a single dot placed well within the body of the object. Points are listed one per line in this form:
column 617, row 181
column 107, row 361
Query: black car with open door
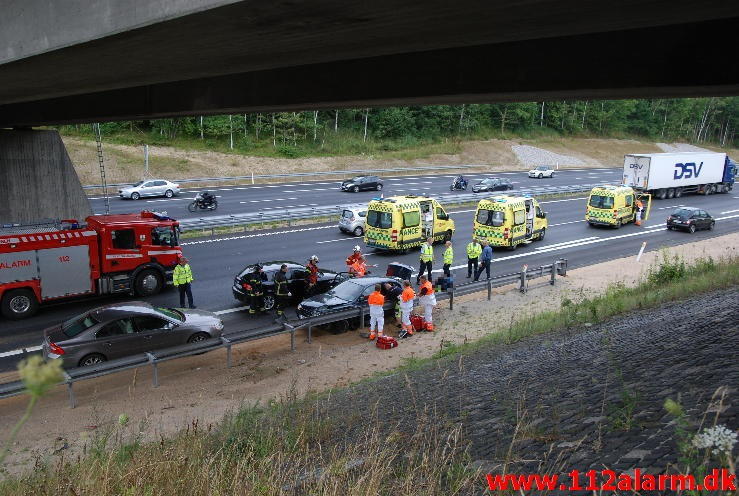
column 297, row 277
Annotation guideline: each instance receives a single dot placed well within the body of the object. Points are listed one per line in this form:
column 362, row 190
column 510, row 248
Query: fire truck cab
column 126, row 253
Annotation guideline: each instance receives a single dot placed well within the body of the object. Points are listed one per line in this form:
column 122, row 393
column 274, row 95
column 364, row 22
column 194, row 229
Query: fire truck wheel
column 19, row 303
column 92, row 359
column 541, row 235
column 148, row 282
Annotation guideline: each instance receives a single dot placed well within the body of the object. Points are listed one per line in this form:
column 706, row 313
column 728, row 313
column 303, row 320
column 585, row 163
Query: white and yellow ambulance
column 398, row 223
column 615, row 205
column 509, row 221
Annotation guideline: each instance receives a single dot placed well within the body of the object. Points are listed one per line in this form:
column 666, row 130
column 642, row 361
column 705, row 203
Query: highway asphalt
column 239, row 199
column 216, row 260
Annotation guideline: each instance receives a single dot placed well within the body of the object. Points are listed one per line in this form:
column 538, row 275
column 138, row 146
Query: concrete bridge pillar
column 37, row 179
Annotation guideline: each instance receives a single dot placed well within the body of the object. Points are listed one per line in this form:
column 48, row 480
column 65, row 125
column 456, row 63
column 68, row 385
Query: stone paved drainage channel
column 570, row 389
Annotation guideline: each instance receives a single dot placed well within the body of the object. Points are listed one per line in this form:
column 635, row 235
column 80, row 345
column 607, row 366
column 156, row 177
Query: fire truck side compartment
column 64, row 271
column 18, row 266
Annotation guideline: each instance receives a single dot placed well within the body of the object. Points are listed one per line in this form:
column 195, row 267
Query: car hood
column 199, row 316
column 324, row 300
column 347, row 183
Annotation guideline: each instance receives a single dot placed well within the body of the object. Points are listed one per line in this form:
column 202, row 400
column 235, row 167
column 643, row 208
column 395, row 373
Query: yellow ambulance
column 615, row 205
column 509, row 221
column 398, row 223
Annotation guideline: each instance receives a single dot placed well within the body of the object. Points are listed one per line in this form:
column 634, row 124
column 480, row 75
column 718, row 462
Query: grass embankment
column 290, row 447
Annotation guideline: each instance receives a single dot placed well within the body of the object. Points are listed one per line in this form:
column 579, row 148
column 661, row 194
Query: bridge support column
column 37, row 179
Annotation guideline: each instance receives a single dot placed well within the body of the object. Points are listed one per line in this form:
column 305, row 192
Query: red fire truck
column 127, row 253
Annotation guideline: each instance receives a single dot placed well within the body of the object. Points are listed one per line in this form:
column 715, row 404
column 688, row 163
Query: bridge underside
column 274, row 56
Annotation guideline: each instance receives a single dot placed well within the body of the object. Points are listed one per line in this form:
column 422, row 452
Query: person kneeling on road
column 377, row 312
column 406, row 307
column 281, row 291
column 428, row 300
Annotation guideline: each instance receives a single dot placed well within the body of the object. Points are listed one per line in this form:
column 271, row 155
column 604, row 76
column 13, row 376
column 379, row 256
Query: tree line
column 699, row 120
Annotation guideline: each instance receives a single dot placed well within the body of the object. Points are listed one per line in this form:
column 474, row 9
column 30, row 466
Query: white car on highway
column 150, row 187
column 352, row 219
column 542, row 171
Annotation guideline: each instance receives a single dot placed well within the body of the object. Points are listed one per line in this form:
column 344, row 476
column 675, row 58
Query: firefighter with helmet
column 255, row 289
column 356, row 262
column 312, row 274
column 282, row 293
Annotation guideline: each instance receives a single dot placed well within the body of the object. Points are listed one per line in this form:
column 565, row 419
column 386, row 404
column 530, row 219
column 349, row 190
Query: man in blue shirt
column 485, row 258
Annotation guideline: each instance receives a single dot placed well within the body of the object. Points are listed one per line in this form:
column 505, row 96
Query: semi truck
column 51, row 261
column 670, row 175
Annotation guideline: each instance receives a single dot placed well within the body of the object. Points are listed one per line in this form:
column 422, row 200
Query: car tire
column 169, row 193
column 691, row 229
column 355, row 189
column 541, row 176
column 135, row 196
column 379, row 187
column 92, row 359
column 358, row 231
column 671, row 193
column 268, row 302
column 197, row 337
column 19, row 304
column 711, row 225
column 148, row 282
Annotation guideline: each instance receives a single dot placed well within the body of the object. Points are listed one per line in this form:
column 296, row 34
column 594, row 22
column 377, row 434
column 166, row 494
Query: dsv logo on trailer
column 688, row 170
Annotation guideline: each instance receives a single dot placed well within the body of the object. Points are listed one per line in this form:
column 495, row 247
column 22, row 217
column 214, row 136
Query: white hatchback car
column 150, row 187
column 352, row 219
column 542, row 171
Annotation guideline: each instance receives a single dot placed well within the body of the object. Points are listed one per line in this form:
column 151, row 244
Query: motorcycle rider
column 206, row 199
column 460, row 182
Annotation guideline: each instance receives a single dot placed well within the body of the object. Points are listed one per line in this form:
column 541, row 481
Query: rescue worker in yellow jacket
column 474, row 249
column 406, row 307
column 427, row 258
column 377, row 312
column 427, row 298
column 448, row 259
column 182, row 280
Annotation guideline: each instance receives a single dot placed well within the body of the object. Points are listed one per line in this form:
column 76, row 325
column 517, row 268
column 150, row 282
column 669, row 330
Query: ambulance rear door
column 646, row 200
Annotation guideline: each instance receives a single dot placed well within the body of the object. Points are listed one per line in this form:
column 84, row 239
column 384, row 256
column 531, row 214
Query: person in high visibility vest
column 427, row 298
column 639, row 207
column 406, row 307
column 427, row 258
column 474, row 249
column 448, row 259
column 358, row 268
column 377, row 313
column 282, row 293
column 356, row 256
column 182, row 280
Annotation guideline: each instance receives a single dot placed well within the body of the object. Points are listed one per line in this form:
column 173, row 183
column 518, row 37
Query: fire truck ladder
column 101, row 163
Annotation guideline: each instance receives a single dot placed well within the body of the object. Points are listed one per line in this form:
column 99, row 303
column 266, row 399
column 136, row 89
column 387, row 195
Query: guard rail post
column 310, row 333
column 490, row 290
column 524, row 280
column 562, row 270
column 291, row 329
column 68, row 381
column 227, row 342
column 155, row 370
column 553, row 273
column 451, row 298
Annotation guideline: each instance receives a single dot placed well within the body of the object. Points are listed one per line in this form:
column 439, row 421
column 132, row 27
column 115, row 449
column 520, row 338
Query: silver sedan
column 151, row 187
column 123, row 329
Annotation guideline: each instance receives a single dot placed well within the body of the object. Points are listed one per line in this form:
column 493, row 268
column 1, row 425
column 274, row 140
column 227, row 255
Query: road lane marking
column 573, row 241
column 729, row 212
column 674, row 206
column 565, row 223
column 230, row 310
column 335, row 240
column 20, row 351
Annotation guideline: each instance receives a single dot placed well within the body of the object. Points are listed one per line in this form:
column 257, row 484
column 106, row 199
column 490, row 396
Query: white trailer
column 669, row 175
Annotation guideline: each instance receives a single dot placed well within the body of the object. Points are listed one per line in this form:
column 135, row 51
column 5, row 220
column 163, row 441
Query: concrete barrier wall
column 37, row 179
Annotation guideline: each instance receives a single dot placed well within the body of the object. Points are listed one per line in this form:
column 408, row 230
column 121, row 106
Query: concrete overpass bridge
column 79, row 61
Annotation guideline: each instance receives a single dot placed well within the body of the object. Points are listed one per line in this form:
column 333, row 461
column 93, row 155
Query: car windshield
column 138, row 183
column 74, row 326
column 683, row 212
column 600, row 201
column 172, row 313
column 493, row 218
column 348, row 291
column 356, row 179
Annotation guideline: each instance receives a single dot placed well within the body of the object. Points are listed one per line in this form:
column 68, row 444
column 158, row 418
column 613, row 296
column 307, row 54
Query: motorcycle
column 458, row 184
column 203, row 201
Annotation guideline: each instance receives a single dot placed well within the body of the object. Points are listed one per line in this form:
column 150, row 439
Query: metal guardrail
column 262, row 217
column 302, row 174
column 153, row 358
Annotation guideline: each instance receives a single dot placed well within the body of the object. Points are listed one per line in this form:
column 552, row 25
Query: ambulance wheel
column 541, row 235
column 135, row 196
column 513, row 246
column 18, row 304
column 148, row 282
column 618, row 224
column 671, row 193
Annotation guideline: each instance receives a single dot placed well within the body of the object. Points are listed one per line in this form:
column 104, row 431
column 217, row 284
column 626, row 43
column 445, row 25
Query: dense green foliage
column 292, row 134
